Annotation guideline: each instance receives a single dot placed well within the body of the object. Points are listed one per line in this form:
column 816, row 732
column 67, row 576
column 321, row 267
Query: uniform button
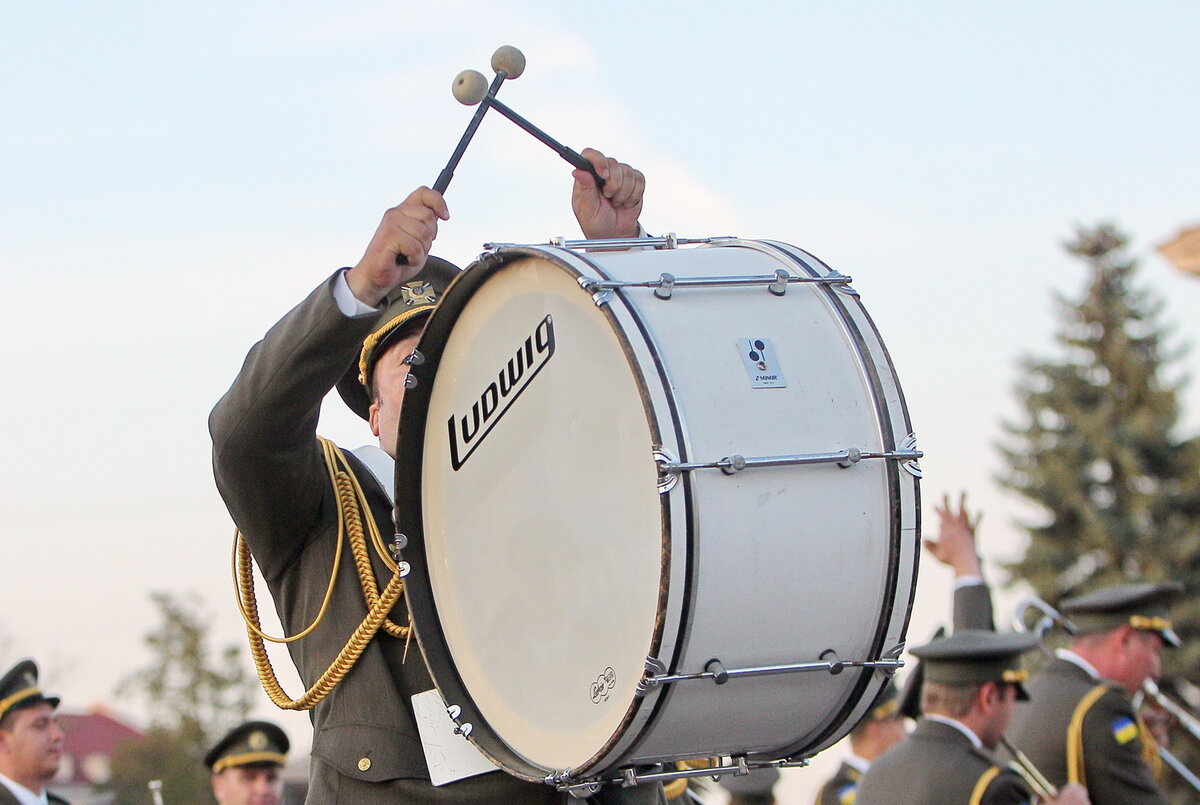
column 364, row 764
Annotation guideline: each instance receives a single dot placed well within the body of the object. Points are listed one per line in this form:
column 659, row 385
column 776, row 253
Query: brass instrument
column 1050, row 617
column 1036, row 781
column 1183, row 716
column 1185, row 719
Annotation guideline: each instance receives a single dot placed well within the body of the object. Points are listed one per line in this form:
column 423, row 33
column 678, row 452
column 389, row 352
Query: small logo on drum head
column 603, row 685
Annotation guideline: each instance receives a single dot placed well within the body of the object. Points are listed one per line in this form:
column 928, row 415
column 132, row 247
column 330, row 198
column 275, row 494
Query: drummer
column 358, row 327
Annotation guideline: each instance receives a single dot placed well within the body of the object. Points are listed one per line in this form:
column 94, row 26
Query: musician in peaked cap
column 1081, row 725
column 972, row 679
column 247, row 764
column 955, row 547
column 31, row 742
column 280, row 484
column 880, row 730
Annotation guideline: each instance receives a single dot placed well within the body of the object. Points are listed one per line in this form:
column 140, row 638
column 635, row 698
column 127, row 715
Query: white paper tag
column 448, row 755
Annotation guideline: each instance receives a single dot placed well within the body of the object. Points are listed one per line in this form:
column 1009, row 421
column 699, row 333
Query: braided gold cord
column 351, row 500
column 358, row 547
column 675, row 788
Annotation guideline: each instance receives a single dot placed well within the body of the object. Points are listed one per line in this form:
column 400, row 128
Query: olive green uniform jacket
column 1114, row 768
column 841, row 788
column 938, row 765
column 272, row 475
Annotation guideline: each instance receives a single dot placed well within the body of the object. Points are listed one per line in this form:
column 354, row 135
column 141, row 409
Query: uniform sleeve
column 268, row 465
column 1114, row 767
column 973, row 607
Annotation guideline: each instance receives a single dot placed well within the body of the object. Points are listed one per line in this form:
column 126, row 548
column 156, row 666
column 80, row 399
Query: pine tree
column 1099, row 450
column 193, row 700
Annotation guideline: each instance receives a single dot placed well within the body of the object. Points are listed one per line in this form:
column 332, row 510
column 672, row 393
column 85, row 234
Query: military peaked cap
column 1142, row 606
column 977, row 656
column 408, row 305
column 886, row 704
column 254, row 743
column 19, row 688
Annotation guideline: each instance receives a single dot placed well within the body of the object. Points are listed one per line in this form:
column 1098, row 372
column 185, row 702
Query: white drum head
column 538, row 474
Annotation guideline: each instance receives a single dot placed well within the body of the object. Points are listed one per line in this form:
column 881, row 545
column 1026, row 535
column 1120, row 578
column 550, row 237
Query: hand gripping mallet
column 507, row 62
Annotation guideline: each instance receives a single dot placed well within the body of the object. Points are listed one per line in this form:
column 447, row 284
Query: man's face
column 31, row 746
column 249, row 785
column 389, row 375
column 1006, row 697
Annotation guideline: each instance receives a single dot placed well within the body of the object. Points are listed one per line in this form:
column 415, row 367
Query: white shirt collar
column 958, row 725
column 23, row 794
column 858, row 763
column 381, row 465
column 1072, row 657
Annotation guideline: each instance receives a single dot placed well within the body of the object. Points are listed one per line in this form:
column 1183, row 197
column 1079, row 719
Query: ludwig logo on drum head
column 603, row 685
column 467, row 431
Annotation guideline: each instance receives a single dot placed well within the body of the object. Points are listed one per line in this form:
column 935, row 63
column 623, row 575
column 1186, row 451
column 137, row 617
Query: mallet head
column 509, row 60
column 469, row 87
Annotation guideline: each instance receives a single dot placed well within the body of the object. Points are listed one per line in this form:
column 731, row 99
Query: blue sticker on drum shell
column 762, row 364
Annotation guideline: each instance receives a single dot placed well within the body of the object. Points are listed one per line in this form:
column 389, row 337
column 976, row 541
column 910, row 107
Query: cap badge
column 257, row 741
column 418, row 293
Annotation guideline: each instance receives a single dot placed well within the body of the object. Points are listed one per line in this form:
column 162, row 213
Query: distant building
column 87, row 762
column 1184, row 250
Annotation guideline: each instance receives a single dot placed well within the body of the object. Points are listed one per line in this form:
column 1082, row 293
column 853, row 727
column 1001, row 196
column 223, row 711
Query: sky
column 175, row 176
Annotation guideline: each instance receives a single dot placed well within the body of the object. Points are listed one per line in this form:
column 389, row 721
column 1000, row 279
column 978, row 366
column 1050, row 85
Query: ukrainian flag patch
column 1124, row 730
column 847, row 793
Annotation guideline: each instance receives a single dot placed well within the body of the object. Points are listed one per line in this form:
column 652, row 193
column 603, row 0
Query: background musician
column 246, row 766
column 972, row 680
column 879, row 731
column 31, row 742
column 1080, row 724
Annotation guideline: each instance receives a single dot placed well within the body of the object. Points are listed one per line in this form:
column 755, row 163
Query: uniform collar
column 958, row 725
column 1075, row 659
column 857, row 763
column 22, row 794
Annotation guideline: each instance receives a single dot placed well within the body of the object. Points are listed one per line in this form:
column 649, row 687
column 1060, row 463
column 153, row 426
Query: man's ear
column 373, row 418
column 989, row 695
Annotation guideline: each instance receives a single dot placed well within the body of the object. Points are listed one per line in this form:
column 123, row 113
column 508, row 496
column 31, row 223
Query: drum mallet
column 470, row 88
column 507, row 62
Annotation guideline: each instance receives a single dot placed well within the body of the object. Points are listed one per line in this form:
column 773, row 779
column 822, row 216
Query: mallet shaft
column 563, row 151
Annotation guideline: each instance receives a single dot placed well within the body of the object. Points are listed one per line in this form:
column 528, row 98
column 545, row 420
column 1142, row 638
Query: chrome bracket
column 735, row 765
column 666, row 478
column 716, row 672
column 668, row 241
column 731, row 465
column 912, row 467
column 666, row 284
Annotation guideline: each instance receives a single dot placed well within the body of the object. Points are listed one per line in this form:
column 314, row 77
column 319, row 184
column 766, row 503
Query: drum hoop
column 409, row 517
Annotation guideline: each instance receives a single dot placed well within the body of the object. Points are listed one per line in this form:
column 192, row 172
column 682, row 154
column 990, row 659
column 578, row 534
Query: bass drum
column 624, row 468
